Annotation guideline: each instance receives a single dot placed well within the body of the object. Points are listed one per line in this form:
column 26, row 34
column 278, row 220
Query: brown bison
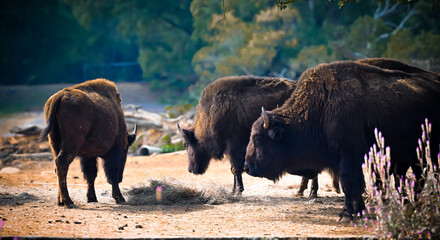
column 87, row 121
column 329, row 123
column 225, row 113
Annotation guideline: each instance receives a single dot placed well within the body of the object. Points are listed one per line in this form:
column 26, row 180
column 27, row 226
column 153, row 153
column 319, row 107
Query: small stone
column 138, row 226
column 10, row 170
column 75, row 222
column 123, row 227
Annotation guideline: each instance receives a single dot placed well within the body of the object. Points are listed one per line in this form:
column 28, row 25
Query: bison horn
column 265, row 118
column 178, row 127
column 135, row 129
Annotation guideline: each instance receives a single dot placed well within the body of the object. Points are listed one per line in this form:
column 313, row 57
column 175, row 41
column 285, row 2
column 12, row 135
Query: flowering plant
column 405, row 209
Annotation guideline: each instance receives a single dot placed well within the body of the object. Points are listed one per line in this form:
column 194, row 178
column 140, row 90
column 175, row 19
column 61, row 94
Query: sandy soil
column 28, row 205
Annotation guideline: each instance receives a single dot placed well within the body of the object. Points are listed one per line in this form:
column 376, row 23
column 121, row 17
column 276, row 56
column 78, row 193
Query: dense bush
column 402, row 212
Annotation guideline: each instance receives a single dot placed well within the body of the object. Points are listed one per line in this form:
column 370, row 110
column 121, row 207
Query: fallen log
column 47, row 156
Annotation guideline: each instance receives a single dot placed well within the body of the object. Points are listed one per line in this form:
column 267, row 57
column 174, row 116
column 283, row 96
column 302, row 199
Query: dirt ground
column 265, row 209
column 28, row 205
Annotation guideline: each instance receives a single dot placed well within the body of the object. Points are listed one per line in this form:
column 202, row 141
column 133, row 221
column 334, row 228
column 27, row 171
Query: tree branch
column 404, row 20
column 385, row 11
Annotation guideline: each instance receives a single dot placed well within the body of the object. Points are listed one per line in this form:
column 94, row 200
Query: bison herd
column 266, row 126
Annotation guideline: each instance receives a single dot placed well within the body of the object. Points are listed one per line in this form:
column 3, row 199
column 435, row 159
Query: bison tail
column 44, row 133
column 50, row 109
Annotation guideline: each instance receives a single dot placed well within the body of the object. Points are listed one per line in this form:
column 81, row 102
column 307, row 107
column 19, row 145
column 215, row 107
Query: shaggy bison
column 330, row 119
column 87, row 121
column 225, row 113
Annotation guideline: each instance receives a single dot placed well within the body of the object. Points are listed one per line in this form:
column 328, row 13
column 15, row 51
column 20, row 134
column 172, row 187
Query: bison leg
column 314, row 188
column 236, row 157
column 112, row 168
column 335, row 179
column 90, row 171
column 238, row 181
column 62, row 163
column 302, row 187
column 353, row 185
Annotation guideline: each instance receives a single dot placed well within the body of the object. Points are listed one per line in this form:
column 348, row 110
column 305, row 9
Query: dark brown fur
column 87, row 121
column 225, row 113
column 330, row 119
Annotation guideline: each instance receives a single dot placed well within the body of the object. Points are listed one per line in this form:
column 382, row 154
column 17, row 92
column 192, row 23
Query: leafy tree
column 364, row 37
column 162, row 32
column 421, row 50
column 40, row 42
column 183, row 45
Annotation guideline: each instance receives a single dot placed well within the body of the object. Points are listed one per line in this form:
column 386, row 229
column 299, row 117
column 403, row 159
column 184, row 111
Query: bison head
column 267, row 149
column 198, row 155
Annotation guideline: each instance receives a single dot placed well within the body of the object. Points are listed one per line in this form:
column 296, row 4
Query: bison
column 329, row 123
column 225, row 113
column 87, row 121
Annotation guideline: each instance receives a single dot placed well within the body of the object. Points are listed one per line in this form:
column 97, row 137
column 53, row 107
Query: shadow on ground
column 20, row 199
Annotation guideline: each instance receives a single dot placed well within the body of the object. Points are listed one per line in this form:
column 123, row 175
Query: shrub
column 402, row 213
column 168, row 146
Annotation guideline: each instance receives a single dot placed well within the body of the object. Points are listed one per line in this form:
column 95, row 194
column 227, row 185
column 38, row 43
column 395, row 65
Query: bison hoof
column 345, row 217
column 92, row 199
column 299, row 194
column 120, row 200
column 66, row 202
column 313, row 195
column 237, row 192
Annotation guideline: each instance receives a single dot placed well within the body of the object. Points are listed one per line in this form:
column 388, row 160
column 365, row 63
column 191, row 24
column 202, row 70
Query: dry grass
column 176, row 192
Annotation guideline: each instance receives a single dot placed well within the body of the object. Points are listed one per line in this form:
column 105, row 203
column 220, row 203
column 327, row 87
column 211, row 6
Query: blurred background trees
column 179, row 47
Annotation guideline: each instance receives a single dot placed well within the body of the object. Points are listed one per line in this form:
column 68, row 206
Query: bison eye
column 185, row 144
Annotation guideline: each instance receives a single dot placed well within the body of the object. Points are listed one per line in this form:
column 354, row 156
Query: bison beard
column 87, row 121
column 329, row 123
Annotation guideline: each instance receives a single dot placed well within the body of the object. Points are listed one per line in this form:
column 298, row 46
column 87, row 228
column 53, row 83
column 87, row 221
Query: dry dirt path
column 266, row 209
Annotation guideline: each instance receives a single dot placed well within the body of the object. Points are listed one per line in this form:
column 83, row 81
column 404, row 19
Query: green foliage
column 38, row 51
column 181, row 46
column 364, row 36
column 161, row 30
column 239, row 47
column 312, row 56
column 175, row 111
column 397, row 212
column 168, row 147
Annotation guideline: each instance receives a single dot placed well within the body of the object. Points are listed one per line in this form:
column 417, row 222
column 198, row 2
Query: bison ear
column 188, row 135
column 276, row 133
